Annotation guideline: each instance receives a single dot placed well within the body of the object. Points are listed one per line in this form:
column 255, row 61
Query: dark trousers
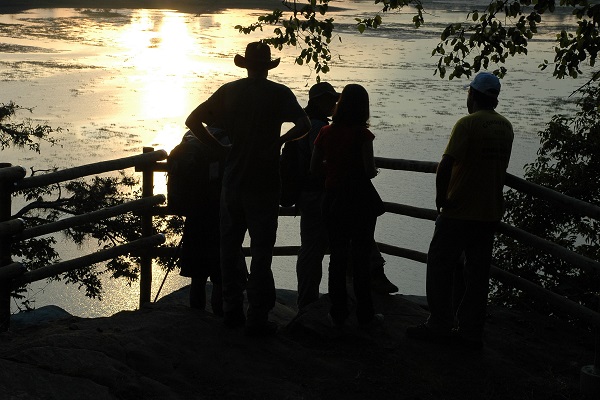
column 313, row 246
column 200, row 247
column 452, row 240
column 255, row 213
column 350, row 235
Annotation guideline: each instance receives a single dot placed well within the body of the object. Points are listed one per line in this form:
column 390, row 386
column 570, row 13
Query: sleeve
column 211, row 107
column 319, row 140
column 316, row 126
column 458, row 143
column 292, row 110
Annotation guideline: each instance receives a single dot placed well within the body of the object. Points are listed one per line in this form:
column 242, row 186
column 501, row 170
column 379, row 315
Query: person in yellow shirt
column 469, row 200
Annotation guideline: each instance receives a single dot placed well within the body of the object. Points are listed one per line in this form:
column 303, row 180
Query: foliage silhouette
column 568, row 157
column 51, row 203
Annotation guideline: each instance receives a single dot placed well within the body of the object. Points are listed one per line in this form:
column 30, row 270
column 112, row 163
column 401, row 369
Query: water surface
column 121, row 80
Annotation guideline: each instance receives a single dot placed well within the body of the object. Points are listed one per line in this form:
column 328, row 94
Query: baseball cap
column 321, row 88
column 486, row 83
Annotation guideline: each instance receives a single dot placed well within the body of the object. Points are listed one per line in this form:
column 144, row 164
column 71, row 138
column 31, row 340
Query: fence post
column 146, row 258
column 5, row 256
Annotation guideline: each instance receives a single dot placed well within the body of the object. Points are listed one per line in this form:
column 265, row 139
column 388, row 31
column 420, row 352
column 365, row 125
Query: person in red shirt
column 344, row 150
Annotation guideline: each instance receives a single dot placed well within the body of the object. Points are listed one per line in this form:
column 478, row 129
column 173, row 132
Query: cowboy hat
column 258, row 56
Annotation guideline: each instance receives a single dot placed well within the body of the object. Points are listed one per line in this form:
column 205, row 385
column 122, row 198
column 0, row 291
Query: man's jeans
column 313, row 246
column 452, row 239
column 256, row 213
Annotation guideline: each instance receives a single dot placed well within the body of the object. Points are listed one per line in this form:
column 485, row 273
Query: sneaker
column 375, row 322
column 268, row 328
column 234, row 319
column 425, row 333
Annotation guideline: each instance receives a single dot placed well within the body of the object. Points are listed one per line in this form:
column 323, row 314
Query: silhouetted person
column 314, row 243
column 251, row 110
column 351, row 204
column 469, row 183
column 322, row 98
column 200, row 248
column 193, row 163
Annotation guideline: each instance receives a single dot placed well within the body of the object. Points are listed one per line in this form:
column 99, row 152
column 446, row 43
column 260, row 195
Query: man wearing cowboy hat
column 251, row 110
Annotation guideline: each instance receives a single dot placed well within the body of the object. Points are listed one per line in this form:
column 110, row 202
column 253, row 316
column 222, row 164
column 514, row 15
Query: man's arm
column 195, row 122
column 300, row 128
column 442, row 181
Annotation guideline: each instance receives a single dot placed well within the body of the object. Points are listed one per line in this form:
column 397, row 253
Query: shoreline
column 192, row 6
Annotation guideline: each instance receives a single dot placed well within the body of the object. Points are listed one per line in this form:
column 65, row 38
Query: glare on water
column 117, row 81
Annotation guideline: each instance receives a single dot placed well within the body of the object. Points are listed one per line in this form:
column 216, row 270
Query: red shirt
column 342, row 150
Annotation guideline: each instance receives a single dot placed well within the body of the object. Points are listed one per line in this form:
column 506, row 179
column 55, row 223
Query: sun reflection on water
column 162, row 52
column 129, row 79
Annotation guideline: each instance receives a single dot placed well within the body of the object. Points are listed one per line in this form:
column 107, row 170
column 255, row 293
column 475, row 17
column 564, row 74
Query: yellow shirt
column 480, row 144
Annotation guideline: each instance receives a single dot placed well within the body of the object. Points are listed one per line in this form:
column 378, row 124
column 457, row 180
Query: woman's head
column 353, row 106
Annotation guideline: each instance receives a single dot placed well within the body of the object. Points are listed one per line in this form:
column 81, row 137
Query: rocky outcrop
column 166, row 350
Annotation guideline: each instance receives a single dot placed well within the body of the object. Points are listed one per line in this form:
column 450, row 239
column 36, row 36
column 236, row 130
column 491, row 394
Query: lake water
column 118, row 81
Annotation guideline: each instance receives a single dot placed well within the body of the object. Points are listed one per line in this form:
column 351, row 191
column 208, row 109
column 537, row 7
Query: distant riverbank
column 14, row 6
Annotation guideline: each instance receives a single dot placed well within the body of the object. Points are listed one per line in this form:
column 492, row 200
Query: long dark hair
column 353, row 107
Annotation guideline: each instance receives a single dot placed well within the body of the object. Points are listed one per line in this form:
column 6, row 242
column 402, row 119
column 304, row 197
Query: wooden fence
column 12, row 179
column 13, row 275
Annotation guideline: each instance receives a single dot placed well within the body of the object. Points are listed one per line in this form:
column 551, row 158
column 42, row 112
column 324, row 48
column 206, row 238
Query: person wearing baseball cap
column 486, row 83
column 322, row 98
column 469, row 199
column 251, row 110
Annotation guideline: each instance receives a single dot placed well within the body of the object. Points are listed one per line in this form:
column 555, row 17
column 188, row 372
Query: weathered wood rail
column 12, row 178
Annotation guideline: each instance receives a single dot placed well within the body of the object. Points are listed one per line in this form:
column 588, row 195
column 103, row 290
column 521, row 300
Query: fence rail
column 12, row 179
column 88, row 260
column 539, row 293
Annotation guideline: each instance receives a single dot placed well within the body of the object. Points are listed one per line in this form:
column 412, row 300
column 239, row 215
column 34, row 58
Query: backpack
column 294, row 170
column 194, row 176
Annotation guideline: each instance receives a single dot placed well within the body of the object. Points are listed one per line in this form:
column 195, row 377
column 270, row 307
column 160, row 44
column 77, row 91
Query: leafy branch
column 24, row 134
column 54, row 202
column 308, row 28
column 504, row 30
column 303, row 28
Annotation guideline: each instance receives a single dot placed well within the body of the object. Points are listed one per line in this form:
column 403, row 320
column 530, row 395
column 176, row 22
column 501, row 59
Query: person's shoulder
column 234, row 84
column 279, row 86
column 318, row 123
column 469, row 117
column 497, row 118
column 327, row 128
column 502, row 117
column 478, row 116
column 226, row 88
